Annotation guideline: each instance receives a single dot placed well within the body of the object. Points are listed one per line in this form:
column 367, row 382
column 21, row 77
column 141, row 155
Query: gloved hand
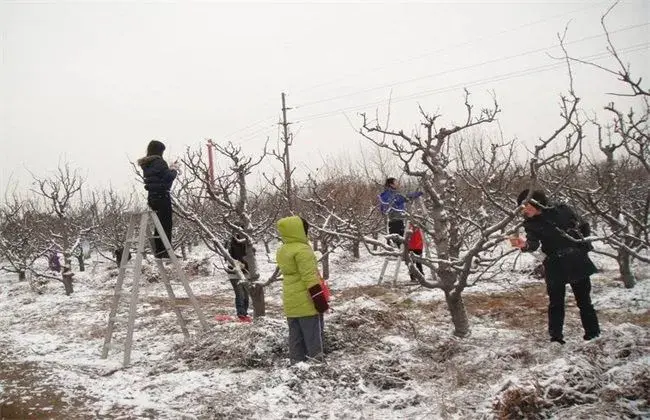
column 318, row 297
column 517, row 242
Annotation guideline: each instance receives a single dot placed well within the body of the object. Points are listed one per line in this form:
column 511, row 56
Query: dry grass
column 520, row 403
column 519, row 309
column 641, row 319
column 526, row 308
column 373, row 291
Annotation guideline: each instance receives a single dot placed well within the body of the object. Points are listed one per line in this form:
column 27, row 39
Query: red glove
column 318, row 297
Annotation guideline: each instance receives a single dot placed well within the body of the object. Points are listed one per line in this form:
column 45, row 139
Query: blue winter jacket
column 393, row 204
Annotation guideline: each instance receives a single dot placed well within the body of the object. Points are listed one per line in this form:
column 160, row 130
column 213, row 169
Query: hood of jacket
column 292, row 230
column 146, row 161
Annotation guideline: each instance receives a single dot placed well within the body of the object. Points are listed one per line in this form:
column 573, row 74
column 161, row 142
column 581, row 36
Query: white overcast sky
column 93, row 82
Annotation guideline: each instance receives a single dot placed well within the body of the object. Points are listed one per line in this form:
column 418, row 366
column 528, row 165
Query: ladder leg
column 396, row 272
column 118, row 288
column 179, row 271
column 142, row 237
column 383, row 270
column 172, row 297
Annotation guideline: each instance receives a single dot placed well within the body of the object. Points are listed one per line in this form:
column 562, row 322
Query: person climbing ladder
column 393, row 205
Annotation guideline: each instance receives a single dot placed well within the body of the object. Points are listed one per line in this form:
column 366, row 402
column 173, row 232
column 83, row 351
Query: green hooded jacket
column 299, row 268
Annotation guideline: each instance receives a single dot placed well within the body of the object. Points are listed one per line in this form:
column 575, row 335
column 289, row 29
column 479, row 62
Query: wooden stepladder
column 139, row 231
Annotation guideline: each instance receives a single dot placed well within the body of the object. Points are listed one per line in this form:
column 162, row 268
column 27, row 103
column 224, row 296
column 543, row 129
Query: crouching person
column 237, row 249
column 302, row 294
column 241, row 294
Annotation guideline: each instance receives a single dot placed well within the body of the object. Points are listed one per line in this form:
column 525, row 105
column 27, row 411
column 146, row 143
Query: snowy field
column 391, row 353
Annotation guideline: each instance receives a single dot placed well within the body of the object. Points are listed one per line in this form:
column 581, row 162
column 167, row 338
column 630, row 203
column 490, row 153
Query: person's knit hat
column 155, row 147
column 538, row 198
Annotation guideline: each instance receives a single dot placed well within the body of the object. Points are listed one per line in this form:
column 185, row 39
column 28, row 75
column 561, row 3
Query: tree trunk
column 67, row 281
column 315, row 245
column 184, row 252
column 458, row 313
column 325, row 261
column 256, row 290
column 267, row 248
column 257, row 298
column 624, row 262
column 189, row 247
column 80, row 260
column 66, row 272
column 375, row 236
column 22, row 275
column 355, row 249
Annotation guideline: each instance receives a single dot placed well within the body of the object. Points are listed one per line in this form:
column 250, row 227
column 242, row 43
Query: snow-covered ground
column 391, row 352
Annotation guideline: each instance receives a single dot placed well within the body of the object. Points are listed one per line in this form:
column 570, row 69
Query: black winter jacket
column 550, row 228
column 158, row 178
column 567, row 260
column 237, row 250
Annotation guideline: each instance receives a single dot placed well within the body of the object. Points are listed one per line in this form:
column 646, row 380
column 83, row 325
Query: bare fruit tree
column 21, row 243
column 111, row 217
column 352, row 200
column 228, row 197
column 466, row 241
column 427, row 157
column 615, row 187
column 60, row 193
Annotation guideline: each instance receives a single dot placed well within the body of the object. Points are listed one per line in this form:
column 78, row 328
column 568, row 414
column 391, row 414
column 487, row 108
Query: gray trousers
column 305, row 338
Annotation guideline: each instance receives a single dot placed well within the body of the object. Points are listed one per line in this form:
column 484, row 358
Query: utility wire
column 496, row 78
column 467, row 67
column 454, row 46
column 406, row 60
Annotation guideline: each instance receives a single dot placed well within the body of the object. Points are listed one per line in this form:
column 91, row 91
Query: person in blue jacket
column 393, row 205
column 158, row 178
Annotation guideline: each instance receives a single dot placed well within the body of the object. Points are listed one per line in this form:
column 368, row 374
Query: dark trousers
column 396, row 226
column 556, row 289
column 162, row 205
column 417, row 264
column 241, row 297
column 305, row 338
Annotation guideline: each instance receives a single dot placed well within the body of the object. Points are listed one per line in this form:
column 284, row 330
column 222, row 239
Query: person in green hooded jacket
column 302, row 294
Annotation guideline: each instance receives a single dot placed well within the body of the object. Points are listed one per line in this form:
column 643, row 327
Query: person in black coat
column 236, row 246
column 560, row 231
column 158, row 179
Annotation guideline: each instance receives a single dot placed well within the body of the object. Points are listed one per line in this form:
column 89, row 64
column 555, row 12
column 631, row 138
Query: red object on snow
column 245, row 318
column 416, row 243
column 230, row 318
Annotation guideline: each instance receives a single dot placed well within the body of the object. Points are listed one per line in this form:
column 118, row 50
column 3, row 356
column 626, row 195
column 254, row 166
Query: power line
column 461, row 44
column 479, row 82
column 255, row 133
column 497, row 78
column 467, row 67
column 258, row 122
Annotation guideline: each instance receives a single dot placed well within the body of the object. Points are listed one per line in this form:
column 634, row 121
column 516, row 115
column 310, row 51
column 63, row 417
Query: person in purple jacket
column 158, row 178
column 393, row 205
